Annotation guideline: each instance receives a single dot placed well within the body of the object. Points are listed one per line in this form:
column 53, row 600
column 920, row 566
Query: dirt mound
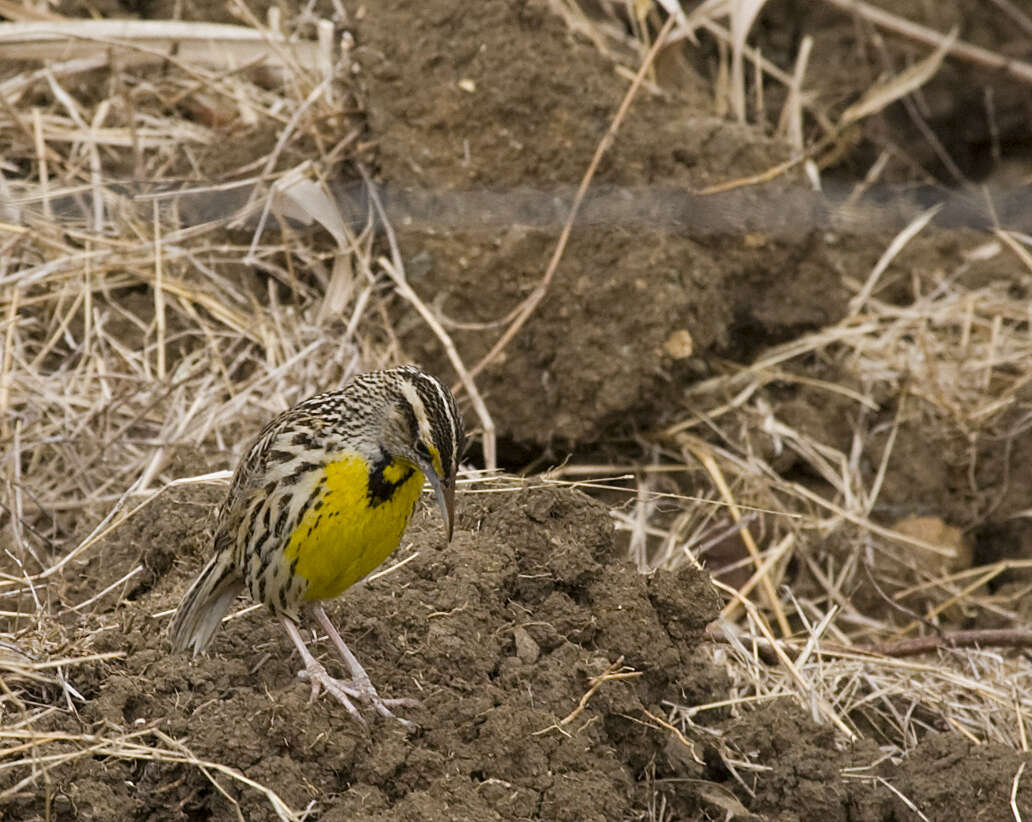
column 483, row 137
column 498, row 634
column 502, row 636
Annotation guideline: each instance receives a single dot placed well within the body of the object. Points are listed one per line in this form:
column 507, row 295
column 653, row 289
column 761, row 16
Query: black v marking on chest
column 381, row 489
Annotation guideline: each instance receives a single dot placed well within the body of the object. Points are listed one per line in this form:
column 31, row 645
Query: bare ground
column 500, row 635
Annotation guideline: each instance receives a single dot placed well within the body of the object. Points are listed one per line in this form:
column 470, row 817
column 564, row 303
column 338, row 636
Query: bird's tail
column 204, row 605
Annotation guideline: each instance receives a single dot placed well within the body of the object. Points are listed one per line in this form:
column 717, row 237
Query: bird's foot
column 362, row 690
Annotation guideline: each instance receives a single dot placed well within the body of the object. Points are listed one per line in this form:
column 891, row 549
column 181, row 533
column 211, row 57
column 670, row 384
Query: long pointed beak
column 445, row 495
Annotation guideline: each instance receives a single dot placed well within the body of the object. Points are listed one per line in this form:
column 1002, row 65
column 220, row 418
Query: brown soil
column 592, row 355
column 476, row 176
column 500, row 633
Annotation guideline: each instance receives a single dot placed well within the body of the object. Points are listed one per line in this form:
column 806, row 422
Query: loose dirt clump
column 810, row 777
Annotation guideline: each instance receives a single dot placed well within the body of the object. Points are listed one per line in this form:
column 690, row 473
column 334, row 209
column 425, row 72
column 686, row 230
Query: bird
column 321, row 497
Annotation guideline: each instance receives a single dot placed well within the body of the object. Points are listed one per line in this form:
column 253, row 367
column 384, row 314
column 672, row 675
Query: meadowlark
column 321, row 498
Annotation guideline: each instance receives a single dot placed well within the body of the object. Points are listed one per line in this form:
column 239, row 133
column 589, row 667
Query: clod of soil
column 945, row 776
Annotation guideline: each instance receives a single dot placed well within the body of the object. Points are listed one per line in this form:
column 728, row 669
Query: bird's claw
column 344, row 691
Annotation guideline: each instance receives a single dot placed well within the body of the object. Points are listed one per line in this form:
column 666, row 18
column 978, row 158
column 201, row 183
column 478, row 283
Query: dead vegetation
column 149, row 312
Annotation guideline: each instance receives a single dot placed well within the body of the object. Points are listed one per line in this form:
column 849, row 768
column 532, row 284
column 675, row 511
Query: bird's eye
column 422, row 450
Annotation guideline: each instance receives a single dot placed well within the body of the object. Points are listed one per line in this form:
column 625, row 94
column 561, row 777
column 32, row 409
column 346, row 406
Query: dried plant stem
column 615, row 671
column 805, row 687
column 396, row 271
column 762, row 569
column 975, row 638
column 1017, row 69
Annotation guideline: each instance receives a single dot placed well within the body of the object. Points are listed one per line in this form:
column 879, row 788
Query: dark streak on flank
column 281, row 521
column 312, row 501
column 259, row 544
column 315, row 525
column 302, row 439
column 300, row 471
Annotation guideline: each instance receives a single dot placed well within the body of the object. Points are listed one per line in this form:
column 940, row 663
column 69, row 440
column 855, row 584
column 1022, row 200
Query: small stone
column 920, row 564
column 527, row 650
column 679, row 345
column 959, row 551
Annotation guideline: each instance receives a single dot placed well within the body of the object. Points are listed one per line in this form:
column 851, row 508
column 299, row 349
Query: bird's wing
column 252, row 472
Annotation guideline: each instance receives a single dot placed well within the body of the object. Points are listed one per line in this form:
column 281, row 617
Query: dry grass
column 955, row 360
column 144, row 323
column 140, row 323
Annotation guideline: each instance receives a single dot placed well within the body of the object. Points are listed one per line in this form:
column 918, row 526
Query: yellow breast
column 351, row 529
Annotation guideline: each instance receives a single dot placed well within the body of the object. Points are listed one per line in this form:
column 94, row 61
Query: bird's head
column 426, row 430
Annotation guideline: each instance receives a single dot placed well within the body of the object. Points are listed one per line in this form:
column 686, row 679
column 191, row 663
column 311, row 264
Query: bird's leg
column 315, row 673
column 360, row 682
